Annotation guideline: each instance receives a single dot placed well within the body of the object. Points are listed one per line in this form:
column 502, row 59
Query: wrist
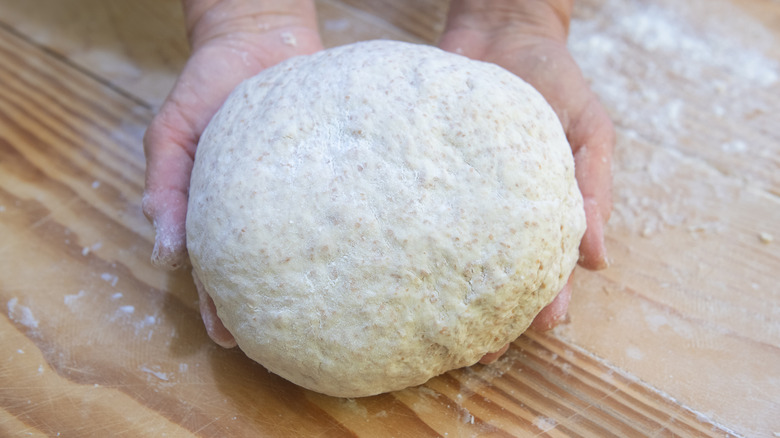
column 544, row 18
column 209, row 19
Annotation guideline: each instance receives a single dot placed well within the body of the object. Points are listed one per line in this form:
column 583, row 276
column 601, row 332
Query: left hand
column 528, row 38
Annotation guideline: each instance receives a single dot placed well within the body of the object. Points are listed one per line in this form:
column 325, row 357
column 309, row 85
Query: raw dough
column 373, row 215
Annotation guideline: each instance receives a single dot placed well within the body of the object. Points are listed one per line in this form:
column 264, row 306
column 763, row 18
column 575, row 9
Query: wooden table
column 680, row 336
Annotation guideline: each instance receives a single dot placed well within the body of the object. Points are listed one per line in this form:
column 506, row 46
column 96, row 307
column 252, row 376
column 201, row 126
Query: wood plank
column 139, row 47
column 689, row 305
column 136, row 46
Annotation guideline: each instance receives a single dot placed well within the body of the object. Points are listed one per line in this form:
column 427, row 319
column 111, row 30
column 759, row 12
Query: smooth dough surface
column 371, row 216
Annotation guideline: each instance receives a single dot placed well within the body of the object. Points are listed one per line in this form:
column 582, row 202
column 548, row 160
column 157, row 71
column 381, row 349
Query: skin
column 234, row 39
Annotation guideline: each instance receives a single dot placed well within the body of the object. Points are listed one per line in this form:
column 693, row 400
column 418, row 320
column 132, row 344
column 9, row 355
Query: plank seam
column 80, row 69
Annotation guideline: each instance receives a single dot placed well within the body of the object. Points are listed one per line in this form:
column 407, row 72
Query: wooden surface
column 680, row 336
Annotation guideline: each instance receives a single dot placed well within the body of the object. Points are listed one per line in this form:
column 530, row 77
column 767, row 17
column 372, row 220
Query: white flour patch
column 72, row 300
column 424, row 390
column 21, row 314
column 127, row 309
column 656, row 321
column 289, row 39
column 87, row 249
column 465, row 416
column 544, row 423
column 634, row 353
column 155, row 371
column 147, row 322
column 109, row 278
column 355, row 406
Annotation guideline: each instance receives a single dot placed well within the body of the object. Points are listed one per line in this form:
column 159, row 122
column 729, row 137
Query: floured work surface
column 679, row 336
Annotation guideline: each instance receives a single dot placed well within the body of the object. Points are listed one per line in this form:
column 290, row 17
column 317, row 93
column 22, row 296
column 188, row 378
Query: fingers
column 208, row 311
column 169, row 159
column 593, row 250
column 492, row 357
column 592, row 139
column 167, row 210
column 555, row 312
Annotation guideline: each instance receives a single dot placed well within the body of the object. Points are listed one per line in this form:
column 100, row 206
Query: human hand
column 528, row 38
column 231, row 40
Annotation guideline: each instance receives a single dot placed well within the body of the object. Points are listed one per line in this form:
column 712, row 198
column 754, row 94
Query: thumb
column 169, row 159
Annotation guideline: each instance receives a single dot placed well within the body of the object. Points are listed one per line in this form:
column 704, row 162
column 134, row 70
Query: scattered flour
column 606, row 48
column 545, row 424
column 706, row 59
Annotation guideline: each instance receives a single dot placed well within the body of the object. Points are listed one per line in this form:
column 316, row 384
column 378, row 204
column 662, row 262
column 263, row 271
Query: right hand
column 528, row 38
column 231, row 40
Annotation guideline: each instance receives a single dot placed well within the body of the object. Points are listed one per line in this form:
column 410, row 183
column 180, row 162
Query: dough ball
column 371, row 216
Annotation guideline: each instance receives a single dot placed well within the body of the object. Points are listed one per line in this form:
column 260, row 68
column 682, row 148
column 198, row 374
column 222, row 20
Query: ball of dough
column 373, row 215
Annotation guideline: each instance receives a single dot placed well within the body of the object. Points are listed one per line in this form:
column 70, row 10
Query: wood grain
column 679, row 337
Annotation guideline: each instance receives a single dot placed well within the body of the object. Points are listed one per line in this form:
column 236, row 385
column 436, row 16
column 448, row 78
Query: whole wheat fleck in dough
column 373, row 215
